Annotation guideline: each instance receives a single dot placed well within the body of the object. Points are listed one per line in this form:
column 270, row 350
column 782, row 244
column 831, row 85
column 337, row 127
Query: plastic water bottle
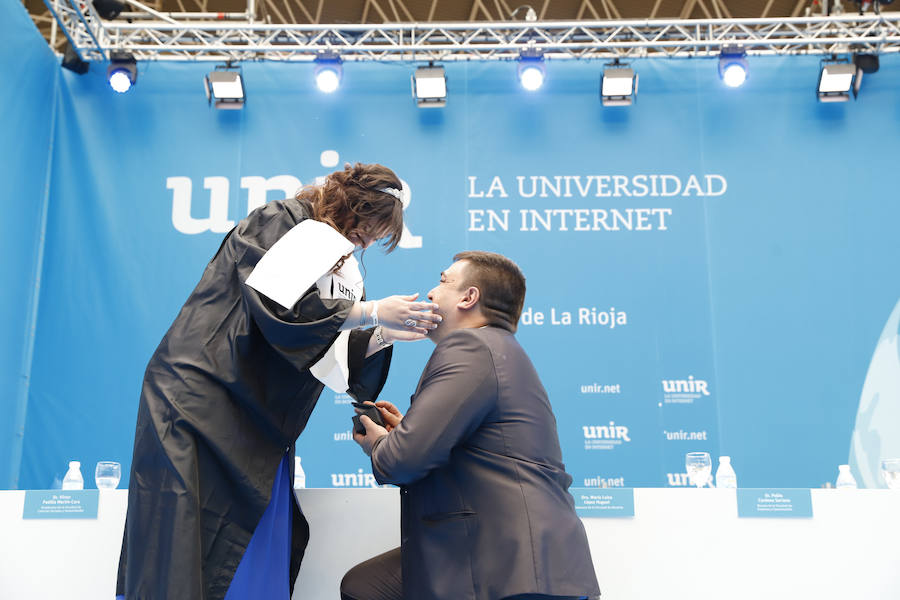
column 845, row 478
column 73, row 479
column 725, row 475
column 299, row 474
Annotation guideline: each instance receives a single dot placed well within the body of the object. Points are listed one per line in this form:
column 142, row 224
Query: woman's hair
column 353, row 200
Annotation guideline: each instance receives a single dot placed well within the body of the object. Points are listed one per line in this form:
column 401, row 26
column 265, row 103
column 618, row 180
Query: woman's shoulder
column 265, row 225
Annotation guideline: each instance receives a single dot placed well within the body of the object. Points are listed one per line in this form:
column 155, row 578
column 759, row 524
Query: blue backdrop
column 709, row 269
column 30, row 75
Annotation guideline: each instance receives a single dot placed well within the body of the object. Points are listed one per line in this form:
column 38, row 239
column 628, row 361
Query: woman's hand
column 390, row 414
column 403, row 313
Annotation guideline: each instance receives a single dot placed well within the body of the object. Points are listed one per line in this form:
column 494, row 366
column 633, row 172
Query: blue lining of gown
column 264, row 569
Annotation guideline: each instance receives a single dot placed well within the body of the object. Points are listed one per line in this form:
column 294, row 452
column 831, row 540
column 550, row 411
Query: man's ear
column 470, row 300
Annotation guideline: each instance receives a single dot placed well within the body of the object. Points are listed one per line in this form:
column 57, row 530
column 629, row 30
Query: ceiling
column 443, row 11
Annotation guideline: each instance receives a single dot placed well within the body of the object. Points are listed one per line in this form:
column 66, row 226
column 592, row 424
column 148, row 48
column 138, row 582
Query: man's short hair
column 501, row 284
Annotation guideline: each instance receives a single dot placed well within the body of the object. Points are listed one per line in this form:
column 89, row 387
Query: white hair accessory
column 392, row 191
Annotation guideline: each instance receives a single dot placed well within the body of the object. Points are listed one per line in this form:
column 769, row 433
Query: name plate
column 778, row 503
column 603, row 502
column 61, row 504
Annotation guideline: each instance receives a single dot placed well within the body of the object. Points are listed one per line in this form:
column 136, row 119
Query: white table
column 682, row 543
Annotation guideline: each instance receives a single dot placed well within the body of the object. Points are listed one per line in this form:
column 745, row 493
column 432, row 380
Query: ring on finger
column 410, row 322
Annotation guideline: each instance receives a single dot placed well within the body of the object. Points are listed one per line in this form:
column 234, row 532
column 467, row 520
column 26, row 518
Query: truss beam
column 190, row 39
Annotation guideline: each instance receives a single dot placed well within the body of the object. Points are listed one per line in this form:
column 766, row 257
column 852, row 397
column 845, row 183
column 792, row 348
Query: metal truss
column 198, row 37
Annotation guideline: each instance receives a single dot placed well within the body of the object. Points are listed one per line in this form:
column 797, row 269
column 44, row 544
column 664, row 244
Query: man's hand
column 373, row 433
column 390, row 414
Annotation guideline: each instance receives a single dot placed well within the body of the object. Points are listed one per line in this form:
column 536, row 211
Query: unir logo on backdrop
column 217, row 220
column 677, row 479
column 358, row 479
column 684, row 391
column 605, row 437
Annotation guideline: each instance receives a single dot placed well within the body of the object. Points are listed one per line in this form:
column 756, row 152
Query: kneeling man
column 485, row 508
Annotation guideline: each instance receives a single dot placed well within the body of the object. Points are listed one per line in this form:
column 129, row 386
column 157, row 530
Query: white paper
column 333, row 369
column 298, row 260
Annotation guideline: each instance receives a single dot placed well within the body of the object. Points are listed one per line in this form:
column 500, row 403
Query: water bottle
column 299, row 475
column 725, row 475
column 845, row 478
column 73, row 479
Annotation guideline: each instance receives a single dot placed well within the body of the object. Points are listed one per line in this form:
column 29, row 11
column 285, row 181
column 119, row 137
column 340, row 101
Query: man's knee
column 351, row 585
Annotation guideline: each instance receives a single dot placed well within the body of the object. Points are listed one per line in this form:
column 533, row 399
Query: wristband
column 362, row 314
column 379, row 337
column 375, row 313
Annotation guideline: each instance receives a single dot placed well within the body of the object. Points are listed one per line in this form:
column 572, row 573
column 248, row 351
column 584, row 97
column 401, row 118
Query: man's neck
column 473, row 322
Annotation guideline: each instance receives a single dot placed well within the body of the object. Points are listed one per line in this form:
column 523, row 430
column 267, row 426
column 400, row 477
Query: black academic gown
column 225, row 395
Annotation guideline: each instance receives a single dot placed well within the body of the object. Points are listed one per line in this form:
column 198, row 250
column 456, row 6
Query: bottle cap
column 296, row 460
column 74, row 464
column 843, row 467
column 725, row 459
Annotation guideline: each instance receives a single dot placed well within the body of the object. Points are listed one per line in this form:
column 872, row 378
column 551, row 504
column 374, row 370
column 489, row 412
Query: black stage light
column 733, row 67
column 531, row 69
column 329, row 71
column 122, row 72
column 868, row 63
column 73, row 62
column 108, row 9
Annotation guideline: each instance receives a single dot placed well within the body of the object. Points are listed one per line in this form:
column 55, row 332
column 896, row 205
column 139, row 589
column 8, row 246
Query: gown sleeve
column 275, row 262
column 304, row 330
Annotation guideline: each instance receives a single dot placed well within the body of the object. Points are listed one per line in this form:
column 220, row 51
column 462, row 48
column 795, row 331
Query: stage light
column 618, row 85
column 122, row 72
column 836, row 79
column 733, row 68
column 225, row 87
column 429, row 87
column 108, row 9
column 531, row 69
column 867, row 63
column 328, row 71
column 73, row 62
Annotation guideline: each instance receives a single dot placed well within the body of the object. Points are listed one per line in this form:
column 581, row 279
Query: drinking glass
column 107, row 474
column 890, row 471
column 699, row 468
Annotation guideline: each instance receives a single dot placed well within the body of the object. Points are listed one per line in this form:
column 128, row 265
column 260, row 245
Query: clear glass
column 107, row 475
column 890, row 471
column 699, row 468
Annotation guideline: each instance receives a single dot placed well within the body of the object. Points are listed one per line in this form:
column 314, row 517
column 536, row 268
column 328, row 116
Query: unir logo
column 606, row 432
column 677, row 479
column 358, row 479
column 215, row 219
column 689, row 385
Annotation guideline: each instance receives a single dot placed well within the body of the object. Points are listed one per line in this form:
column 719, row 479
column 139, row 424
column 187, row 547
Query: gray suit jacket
column 485, row 511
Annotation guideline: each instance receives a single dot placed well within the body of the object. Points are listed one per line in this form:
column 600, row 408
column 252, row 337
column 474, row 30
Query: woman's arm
column 393, row 312
column 383, row 338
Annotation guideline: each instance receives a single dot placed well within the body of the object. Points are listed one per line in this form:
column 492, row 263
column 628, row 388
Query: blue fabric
column 264, row 569
column 29, row 67
column 777, row 288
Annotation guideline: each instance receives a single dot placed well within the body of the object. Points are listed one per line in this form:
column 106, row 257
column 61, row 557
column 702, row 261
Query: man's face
column 447, row 295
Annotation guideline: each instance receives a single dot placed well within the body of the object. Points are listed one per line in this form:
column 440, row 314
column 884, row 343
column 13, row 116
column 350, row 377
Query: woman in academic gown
column 278, row 313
